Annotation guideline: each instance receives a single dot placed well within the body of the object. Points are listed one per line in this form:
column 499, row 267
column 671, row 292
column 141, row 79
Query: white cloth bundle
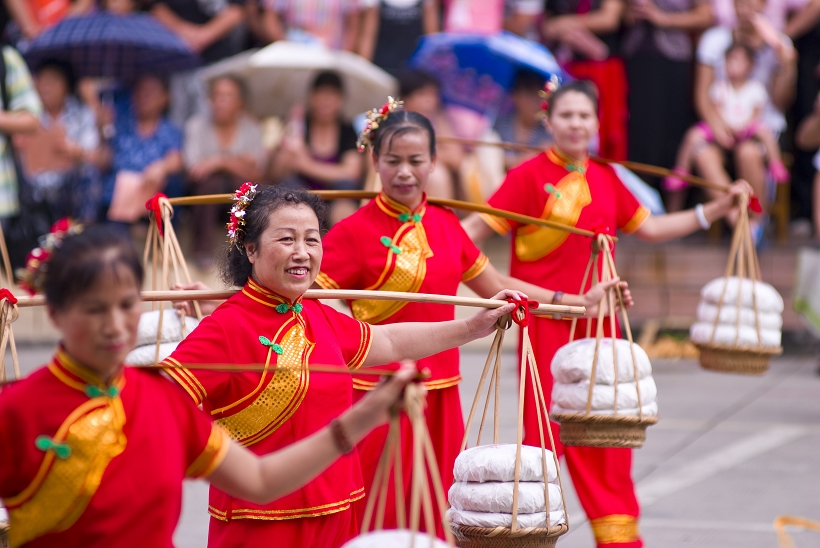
column 649, row 410
column 497, row 463
column 574, row 396
column 486, row 519
column 172, row 330
column 497, row 497
column 707, row 312
column 767, row 298
column 395, row 538
column 573, row 362
column 701, row 332
column 145, row 355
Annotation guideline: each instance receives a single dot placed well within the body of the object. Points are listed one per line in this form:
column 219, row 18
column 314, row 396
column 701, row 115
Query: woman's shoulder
column 714, row 43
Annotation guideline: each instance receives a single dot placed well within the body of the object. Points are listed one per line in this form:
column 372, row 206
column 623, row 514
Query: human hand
column 154, row 175
column 647, row 10
column 378, row 405
column 583, row 41
column 186, row 308
column 483, row 322
column 724, row 136
column 205, row 168
column 767, row 31
column 595, row 297
column 195, row 36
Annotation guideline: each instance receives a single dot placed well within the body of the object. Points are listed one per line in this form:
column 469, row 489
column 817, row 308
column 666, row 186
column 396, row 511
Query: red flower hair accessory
column 242, row 199
column 374, row 118
column 32, row 276
column 546, row 93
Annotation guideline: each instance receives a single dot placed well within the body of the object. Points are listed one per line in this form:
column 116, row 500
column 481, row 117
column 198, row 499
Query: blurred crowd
column 720, row 88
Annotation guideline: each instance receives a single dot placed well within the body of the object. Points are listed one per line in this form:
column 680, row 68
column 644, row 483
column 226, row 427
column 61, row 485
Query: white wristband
column 702, row 221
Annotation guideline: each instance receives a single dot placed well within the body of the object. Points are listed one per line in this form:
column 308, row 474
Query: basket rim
column 554, row 531
column 759, row 350
column 610, row 419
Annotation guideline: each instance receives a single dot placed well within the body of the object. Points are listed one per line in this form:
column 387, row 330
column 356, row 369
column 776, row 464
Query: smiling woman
column 275, row 256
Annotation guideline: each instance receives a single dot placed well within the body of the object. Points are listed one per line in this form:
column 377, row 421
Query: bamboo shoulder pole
column 637, row 167
column 368, row 195
column 212, row 295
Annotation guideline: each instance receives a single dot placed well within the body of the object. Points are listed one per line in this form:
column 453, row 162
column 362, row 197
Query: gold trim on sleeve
column 501, row 226
column 295, row 513
column 365, row 342
column 478, row 267
column 185, row 379
column 212, row 456
column 637, row 220
column 326, row 282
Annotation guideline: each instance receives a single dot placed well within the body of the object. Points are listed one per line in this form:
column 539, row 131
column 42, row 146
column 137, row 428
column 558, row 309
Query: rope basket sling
column 162, row 257
column 8, row 314
column 424, row 465
column 744, row 264
column 514, row 536
column 610, row 430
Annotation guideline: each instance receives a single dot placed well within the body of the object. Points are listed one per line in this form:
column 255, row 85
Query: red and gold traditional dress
column 90, row 465
column 588, row 196
column 386, row 246
column 271, row 410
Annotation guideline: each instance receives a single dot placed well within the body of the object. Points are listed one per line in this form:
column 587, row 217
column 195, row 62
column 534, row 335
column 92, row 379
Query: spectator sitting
column 319, row 151
column 62, row 161
column 145, row 145
column 739, row 102
column 420, row 93
column 392, row 28
column 523, row 125
column 774, row 67
column 334, row 23
column 221, row 151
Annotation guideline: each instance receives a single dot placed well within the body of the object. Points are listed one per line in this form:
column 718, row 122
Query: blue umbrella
column 113, row 46
column 476, row 71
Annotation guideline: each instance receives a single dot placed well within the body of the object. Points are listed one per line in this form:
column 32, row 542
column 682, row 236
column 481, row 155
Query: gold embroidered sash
column 63, row 488
column 403, row 271
column 282, row 396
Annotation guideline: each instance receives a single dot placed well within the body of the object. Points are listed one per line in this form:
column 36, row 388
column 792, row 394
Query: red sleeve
column 514, row 195
column 630, row 214
column 354, row 337
column 11, row 482
column 206, row 344
column 205, row 443
column 341, row 259
column 473, row 261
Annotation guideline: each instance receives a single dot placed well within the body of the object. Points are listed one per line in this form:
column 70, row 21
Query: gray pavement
column 729, row 454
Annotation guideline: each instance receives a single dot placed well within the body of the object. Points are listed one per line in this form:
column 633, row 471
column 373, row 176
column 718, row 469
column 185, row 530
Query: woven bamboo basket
column 603, row 430
column 751, row 360
column 743, row 263
column 513, row 537
column 596, row 430
column 503, row 537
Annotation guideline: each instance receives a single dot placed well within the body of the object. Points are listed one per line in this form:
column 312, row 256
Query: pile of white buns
column 768, row 319
column 482, row 495
column 572, row 368
column 173, row 332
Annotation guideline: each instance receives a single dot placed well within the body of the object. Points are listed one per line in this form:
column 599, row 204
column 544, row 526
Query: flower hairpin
column 242, row 198
column 546, row 93
column 33, row 274
column 374, row 118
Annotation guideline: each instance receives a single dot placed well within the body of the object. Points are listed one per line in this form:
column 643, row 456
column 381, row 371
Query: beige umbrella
column 279, row 76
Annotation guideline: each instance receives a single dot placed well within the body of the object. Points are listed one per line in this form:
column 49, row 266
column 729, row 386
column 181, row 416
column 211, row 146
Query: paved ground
column 729, row 455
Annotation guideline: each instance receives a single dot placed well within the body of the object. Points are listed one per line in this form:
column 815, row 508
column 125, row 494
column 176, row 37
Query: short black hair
column 80, row 259
column 750, row 53
column 527, row 80
column 411, row 81
column 581, row 86
column 64, row 68
column 328, row 79
column 398, row 123
column 235, row 267
column 235, row 80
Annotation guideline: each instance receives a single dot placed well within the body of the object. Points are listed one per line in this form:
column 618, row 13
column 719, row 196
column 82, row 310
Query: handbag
column 36, row 216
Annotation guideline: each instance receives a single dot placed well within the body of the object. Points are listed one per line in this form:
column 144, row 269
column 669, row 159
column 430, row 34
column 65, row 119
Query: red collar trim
column 394, row 208
column 77, row 376
column 265, row 295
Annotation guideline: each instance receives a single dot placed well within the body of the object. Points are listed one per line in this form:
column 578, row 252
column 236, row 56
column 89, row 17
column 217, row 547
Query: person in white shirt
column 739, row 101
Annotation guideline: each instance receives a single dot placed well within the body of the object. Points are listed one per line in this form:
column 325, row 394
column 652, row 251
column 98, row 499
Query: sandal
column 778, row 171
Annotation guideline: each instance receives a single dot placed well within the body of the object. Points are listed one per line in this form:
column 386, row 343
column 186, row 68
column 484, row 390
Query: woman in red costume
column 563, row 185
column 275, row 256
column 399, row 242
column 94, row 453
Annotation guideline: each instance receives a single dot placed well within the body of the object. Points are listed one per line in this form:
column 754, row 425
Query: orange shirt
column 385, row 246
column 92, row 466
column 267, row 412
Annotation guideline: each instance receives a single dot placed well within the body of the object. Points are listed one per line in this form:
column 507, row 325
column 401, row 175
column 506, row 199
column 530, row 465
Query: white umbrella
column 279, row 76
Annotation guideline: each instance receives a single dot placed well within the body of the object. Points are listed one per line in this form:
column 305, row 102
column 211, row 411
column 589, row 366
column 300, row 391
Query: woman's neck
column 147, row 125
column 576, row 156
